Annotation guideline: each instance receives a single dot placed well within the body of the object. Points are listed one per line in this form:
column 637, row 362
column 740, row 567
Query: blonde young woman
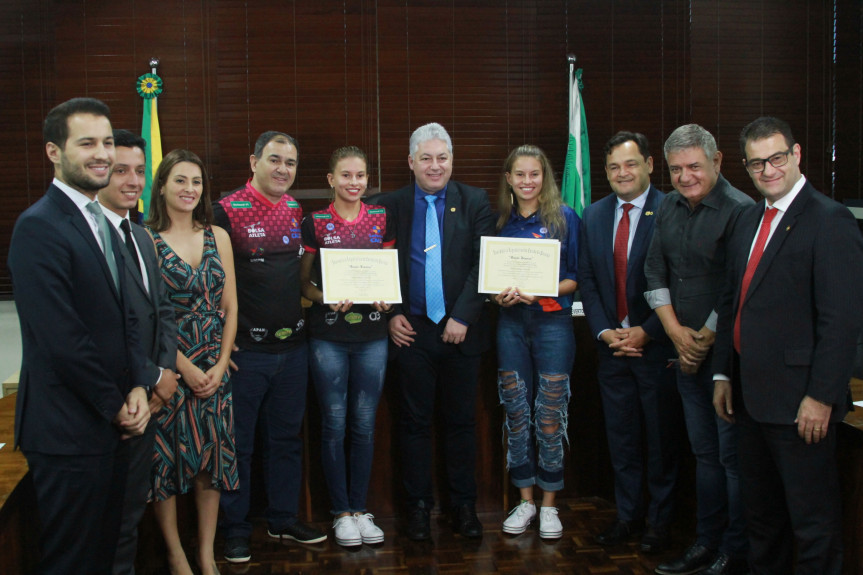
column 195, row 435
column 535, row 342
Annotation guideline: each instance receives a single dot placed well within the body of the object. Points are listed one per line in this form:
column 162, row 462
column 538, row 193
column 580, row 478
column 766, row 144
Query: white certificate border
column 487, row 241
column 331, row 252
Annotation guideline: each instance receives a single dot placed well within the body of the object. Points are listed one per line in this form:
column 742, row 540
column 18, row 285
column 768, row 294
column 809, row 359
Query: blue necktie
column 435, row 308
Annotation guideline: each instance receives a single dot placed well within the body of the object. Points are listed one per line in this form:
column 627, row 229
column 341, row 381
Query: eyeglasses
column 777, row 160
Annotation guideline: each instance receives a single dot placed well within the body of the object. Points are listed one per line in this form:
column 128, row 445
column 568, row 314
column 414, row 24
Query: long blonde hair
column 549, row 195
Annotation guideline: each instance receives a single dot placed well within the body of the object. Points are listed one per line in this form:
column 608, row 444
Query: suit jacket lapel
column 453, row 199
column 642, row 231
column 405, row 218
column 605, row 231
column 76, row 218
column 786, row 224
column 133, row 269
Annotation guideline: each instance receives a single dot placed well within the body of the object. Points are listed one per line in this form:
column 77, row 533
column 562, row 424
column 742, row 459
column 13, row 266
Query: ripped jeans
column 348, row 378
column 535, row 354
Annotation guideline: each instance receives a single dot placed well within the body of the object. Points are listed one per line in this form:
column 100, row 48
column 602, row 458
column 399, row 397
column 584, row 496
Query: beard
column 76, row 176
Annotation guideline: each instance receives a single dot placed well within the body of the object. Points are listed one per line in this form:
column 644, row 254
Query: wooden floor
column 496, row 552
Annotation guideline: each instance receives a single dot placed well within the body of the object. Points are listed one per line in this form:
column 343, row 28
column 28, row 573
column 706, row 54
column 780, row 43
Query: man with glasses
column 787, row 337
column 685, row 270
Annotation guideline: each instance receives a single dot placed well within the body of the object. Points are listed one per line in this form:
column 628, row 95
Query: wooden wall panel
column 849, row 100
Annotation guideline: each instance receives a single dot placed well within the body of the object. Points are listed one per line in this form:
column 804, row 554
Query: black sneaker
column 300, row 532
column 237, row 550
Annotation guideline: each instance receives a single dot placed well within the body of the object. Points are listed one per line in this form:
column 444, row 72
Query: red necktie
column 621, row 243
column 754, row 258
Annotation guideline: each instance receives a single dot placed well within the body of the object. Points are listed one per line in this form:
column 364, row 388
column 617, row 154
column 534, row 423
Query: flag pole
column 149, row 86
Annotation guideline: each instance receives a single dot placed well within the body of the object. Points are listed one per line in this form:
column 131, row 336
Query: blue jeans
column 535, row 354
column 349, row 379
column 270, row 388
column 719, row 523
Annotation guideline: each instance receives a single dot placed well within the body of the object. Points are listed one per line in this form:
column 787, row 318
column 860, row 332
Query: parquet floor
column 496, row 552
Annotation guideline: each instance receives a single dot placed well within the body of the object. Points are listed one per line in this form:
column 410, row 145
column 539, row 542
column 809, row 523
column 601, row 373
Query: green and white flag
column 576, row 172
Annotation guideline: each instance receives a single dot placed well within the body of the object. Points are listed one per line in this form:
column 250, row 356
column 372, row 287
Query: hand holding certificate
column 531, row 265
column 360, row 276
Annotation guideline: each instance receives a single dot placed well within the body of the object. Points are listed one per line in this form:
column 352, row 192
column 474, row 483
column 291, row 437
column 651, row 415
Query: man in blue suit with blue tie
column 638, row 389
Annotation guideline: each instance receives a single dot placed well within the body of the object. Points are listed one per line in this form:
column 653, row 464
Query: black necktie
column 130, row 244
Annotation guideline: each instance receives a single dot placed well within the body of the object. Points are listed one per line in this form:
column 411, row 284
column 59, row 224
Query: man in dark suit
column 83, row 383
column 636, row 384
column 787, row 337
column 148, row 297
column 440, row 329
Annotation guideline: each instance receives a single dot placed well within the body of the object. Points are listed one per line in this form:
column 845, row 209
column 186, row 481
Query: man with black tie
column 440, row 330
column 786, row 338
column 636, row 384
column 146, row 294
column 84, row 386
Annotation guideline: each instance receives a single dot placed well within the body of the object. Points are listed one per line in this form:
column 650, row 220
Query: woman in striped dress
column 195, row 433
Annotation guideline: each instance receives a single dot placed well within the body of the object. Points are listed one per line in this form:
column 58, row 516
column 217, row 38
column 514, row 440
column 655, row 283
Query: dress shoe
column 655, row 540
column 725, row 564
column 465, row 521
column 694, row 559
column 419, row 523
column 619, row 532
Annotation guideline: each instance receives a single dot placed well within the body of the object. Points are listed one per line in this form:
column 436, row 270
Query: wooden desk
column 849, row 455
column 18, row 527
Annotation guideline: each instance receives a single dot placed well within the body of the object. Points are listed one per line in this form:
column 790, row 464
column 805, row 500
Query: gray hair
column 690, row 136
column 433, row 131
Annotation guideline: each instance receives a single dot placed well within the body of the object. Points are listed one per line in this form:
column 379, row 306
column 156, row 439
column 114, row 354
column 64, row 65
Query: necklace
column 351, row 227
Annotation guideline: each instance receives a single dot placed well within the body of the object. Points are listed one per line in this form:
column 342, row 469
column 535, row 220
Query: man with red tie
column 786, row 341
column 638, row 389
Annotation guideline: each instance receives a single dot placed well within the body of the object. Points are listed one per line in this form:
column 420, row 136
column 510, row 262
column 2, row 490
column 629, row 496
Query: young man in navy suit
column 638, row 389
column 84, row 386
column 148, row 297
column 786, row 340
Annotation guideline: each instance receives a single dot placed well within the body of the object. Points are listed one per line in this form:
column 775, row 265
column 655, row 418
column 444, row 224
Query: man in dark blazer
column 83, row 383
column 439, row 336
column 786, row 338
column 637, row 386
column 149, row 299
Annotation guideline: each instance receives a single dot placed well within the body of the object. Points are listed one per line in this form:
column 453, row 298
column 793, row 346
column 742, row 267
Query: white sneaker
column 347, row 534
column 519, row 518
column 549, row 524
column 369, row 532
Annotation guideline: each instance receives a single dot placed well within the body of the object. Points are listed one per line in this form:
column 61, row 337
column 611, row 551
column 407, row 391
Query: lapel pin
column 648, row 213
column 788, row 229
column 452, row 209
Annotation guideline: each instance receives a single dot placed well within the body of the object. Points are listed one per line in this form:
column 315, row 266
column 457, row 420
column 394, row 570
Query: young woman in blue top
column 535, row 342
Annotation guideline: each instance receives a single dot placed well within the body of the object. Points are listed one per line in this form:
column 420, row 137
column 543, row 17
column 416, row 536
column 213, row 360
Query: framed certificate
column 531, row 265
column 361, row 276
